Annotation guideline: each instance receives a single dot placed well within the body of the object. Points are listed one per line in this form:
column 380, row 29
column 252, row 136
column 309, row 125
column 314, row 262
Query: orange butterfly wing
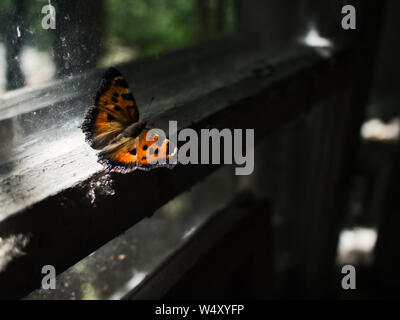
column 129, row 154
column 121, row 156
column 154, row 150
column 114, row 109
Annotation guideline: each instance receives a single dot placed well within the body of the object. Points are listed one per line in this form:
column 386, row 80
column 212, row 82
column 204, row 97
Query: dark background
column 327, row 183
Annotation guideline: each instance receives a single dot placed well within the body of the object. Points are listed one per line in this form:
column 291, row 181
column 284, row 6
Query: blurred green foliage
column 144, row 26
column 153, row 26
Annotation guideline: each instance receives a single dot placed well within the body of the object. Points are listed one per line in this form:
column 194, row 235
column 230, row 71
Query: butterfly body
column 112, row 125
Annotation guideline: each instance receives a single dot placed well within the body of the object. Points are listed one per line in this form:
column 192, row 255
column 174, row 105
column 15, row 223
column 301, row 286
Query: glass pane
column 95, row 33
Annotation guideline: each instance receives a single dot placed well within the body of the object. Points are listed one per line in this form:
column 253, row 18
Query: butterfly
column 112, row 125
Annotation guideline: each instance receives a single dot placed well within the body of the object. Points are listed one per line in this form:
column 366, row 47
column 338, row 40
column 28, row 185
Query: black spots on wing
column 117, row 108
column 127, row 96
column 156, row 152
column 115, row 94
column 110, row 117
column 133, row 152
column 130, row 107
column 105, row 102
column 110, row 76
column 145, row 147
column 144, row 158
column 113, row 99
